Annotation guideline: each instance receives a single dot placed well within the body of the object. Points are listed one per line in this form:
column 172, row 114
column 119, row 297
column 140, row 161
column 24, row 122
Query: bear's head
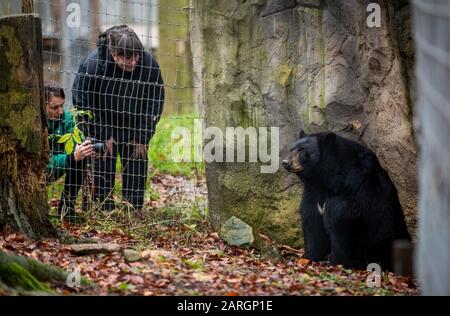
column 330, row 160
column 306, row 152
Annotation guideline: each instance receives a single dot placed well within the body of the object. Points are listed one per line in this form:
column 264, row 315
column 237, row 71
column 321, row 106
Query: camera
column 98, row 145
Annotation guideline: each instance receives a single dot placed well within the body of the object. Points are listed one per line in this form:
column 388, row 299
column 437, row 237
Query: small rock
column 236, row 232
column 131, row 255
column 157, row 254
column 271, row 253
column 87, row 249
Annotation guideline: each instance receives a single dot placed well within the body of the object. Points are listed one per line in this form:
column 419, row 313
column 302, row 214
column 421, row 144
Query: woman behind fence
column 121, row 85
column 61, row 122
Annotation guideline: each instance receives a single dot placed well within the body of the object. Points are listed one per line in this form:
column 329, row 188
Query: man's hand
column 83, row 150
column 140, row 150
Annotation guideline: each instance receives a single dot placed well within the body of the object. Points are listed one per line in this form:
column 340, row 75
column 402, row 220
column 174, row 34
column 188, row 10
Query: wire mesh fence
column 118, row 81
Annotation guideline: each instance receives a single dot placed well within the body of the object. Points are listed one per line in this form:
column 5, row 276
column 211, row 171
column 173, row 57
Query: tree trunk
column 307, row 64
column 432, row 27
column 24, row 146
column 27, row 6
column 23, row 274
column 174, row 53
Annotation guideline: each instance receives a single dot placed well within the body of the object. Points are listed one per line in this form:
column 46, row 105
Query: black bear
column 350, row 209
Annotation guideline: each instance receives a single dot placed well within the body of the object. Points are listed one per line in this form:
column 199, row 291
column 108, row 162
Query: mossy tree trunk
column 21, row 275
column 174, row 57
column 23, row 129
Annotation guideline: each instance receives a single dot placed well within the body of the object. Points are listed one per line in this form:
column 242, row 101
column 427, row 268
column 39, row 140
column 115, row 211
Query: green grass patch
column 169, row 139
column 194, row 264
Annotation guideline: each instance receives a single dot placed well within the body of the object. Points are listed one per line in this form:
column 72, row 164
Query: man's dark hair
column 123, row 41
column 52, row 89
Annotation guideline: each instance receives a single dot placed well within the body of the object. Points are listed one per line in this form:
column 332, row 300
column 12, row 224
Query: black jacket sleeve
column 155, row 103
column 83, row 96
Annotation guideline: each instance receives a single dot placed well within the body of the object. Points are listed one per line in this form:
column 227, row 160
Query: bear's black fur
column 350, row 209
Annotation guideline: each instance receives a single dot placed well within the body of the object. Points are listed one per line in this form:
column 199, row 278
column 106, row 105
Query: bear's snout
column 292, row 164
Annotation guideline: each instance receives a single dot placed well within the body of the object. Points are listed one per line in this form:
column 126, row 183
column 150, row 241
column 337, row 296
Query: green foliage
column 123, row 287
column 165, row 139
column 154, row 196
column 194, row 264
column 76, row 136
column 64, row 138
column 198, row 210
column 75, row 113
column 69, row 146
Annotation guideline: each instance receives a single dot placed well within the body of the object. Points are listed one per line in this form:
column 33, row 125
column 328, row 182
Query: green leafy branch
column 70, row 139
column 75, row 113
column 76, row 136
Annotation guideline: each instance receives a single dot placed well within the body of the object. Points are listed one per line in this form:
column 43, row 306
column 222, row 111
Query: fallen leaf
column 339, row 290
column 303, row 262
column 134, row 279
column 202, row 277
column 161, row 283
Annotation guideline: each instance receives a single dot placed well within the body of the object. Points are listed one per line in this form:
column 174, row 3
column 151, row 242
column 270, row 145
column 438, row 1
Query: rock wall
column 308, row 64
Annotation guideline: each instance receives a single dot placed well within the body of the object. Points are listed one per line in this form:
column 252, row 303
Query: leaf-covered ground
column 172, row 252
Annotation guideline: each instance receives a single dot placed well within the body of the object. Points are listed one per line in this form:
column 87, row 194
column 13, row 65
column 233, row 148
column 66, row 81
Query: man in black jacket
column 121, row 84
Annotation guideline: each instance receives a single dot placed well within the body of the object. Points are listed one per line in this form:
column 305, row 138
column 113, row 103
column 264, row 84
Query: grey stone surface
column 131, row 255
column 236, row 232
column 320, row 69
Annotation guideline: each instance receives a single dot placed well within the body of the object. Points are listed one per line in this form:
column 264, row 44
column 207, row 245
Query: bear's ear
column 330, row 137
column 301, row 134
